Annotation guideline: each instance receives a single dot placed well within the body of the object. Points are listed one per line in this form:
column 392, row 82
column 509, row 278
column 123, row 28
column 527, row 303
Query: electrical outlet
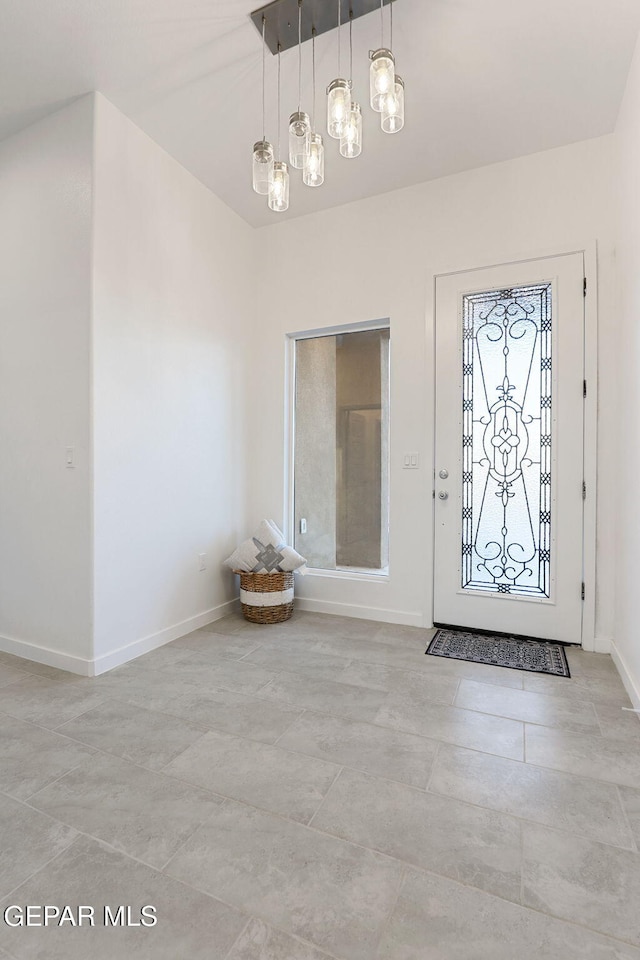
column 202, row 558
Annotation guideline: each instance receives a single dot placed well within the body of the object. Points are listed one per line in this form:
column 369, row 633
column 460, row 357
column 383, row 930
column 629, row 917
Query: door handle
column 443, row 474
column 443, row 495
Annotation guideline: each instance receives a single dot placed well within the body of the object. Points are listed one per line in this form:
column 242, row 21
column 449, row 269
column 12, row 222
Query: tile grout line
column 403, row 864
column 42, row 813
column 203, row 823
column 597, row 716
column 237, row 939
column 292, row 724
column 626, row 818
column 536, row 910
column 127, row 703
column 432, row 771
column 276, row 701
column 521, row 829
column 387, row 923
column 162, row 770
column 54, row 729
column 405, row 867
column 385, row 855
column 51, row 783
column 321, row 804
column 386, row 692
column 526, row 820
column 433, row 740
column 38, row 869
column 133, row 859
column 287, row 933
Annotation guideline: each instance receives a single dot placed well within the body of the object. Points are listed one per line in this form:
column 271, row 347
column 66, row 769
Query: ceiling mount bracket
column 281, row 19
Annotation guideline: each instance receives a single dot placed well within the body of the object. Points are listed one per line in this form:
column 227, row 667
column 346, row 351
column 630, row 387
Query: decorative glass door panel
column 509, row 448
column 506, row 440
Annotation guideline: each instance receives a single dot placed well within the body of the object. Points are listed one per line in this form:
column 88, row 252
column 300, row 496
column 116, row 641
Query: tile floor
column 320, row 789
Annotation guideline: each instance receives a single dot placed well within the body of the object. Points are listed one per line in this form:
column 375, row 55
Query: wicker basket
column 266, row 597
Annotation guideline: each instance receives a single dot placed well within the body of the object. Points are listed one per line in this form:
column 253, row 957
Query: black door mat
column 537, row 656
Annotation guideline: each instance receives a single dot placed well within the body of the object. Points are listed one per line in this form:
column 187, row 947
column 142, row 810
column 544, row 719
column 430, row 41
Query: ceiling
column 486, row 80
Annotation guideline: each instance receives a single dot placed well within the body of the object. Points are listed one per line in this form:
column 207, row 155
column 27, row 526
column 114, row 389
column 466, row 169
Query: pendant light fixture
column 393, row 113
column 313, row 171
column 382, row 70
column 392, row 120
column 299, row 126
column 338, row 96
column 304, row 148
column 351, row 140
column 279, row 186
column 262, row 150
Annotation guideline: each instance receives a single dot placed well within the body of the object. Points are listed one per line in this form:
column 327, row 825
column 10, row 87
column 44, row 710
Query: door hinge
column 582, row 591
column 584, row 490
column 584, row 388
column 584, row 286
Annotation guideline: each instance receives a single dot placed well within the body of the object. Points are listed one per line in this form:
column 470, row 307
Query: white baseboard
column 359, row 612
column 602, row 645
column 630, row 685
column 52, row 658
column 124, row 654
column 93, row 668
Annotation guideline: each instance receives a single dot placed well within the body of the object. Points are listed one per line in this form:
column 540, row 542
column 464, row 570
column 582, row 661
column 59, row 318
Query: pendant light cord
column 279, row 132
column 391, row 20
column 264, row 26
column 339, row 31
column 350, row 48
column 313, row 61
column 299, row 55
column 382, row 23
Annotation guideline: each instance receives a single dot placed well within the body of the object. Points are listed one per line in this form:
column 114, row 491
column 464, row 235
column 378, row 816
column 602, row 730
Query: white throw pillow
column 265, row 552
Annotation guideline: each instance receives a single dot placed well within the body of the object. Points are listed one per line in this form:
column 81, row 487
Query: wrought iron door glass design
column 506, row 441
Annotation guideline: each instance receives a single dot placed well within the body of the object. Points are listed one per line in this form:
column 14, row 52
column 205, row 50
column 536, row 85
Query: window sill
column 343, row 574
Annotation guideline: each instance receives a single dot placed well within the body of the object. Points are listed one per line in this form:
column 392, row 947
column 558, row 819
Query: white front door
column 509, row 448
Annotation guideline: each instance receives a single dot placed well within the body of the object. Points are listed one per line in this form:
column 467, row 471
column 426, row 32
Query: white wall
column 187, row 352
column 173, row 293
column 377, row 258
column 45, row 256
column 627, row 478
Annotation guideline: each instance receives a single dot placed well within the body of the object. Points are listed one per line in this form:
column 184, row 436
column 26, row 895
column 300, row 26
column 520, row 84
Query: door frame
column 589, row 252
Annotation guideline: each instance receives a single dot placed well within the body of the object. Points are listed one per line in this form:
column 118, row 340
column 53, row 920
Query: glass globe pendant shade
column 313, row 173
column 393, row 113
column 381, row 77
column 338, row 108
column 299, row 133
column 279, row 189
column 262, row 166
column 351, row 142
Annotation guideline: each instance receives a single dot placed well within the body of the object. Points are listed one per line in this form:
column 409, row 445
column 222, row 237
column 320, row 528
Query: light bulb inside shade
column 351, row 142
column 279, row 189
column 262, row 166
column 338, row 108
column 299, row 133
column 392, row 120
column 381, row 77
column 313, row 172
